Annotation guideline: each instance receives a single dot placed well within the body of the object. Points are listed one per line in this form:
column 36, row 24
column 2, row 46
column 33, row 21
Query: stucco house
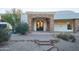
column 60, row 21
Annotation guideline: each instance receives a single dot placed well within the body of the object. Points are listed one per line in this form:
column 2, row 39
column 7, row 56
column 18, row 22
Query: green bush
column 22, row 28
column 4, row 35
column 66, row 37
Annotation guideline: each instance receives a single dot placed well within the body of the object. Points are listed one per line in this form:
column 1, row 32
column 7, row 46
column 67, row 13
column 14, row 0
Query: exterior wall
column 24, row 18
column 76, row 25
column 28, row 17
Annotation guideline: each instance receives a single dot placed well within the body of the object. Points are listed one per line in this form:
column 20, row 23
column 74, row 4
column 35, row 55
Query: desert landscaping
column 20, row 43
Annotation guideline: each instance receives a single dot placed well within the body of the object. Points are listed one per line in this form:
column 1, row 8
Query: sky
column 3, row 10
column 39, row 5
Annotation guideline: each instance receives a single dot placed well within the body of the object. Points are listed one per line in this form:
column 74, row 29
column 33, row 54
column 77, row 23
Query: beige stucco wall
column 61, row 25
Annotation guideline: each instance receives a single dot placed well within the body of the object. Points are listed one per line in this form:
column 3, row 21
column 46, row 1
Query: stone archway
column 46, row 17
column 41, row 24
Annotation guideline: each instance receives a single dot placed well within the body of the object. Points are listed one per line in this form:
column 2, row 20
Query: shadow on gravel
column 3, row 44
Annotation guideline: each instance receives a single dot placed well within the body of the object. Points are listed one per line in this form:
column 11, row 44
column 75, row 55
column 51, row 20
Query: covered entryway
column 41, row 21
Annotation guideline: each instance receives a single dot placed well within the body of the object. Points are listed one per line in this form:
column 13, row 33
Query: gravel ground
column 20, row 43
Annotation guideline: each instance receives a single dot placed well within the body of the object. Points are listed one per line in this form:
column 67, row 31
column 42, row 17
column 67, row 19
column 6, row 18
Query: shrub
column 66, row 37
column 4, row 35
column 22, row 28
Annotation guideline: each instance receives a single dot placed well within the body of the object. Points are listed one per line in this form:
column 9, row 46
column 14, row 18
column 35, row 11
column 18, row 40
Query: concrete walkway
column 20, row 43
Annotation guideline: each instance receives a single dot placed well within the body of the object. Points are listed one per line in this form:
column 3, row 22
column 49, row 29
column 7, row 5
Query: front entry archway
column 41, row 24
column 47, row 17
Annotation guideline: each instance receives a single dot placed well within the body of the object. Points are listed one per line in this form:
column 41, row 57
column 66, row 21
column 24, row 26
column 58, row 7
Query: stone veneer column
column 76, row 25
column 52, row 24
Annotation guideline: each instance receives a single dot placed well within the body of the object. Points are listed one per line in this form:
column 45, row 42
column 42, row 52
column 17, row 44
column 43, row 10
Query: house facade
column 62, row 21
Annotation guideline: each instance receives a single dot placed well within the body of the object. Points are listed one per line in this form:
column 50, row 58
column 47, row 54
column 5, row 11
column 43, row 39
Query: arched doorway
column 39, row 25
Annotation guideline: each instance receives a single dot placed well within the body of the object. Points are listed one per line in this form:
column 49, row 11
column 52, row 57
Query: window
column 69, row 26
column 3, row 26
